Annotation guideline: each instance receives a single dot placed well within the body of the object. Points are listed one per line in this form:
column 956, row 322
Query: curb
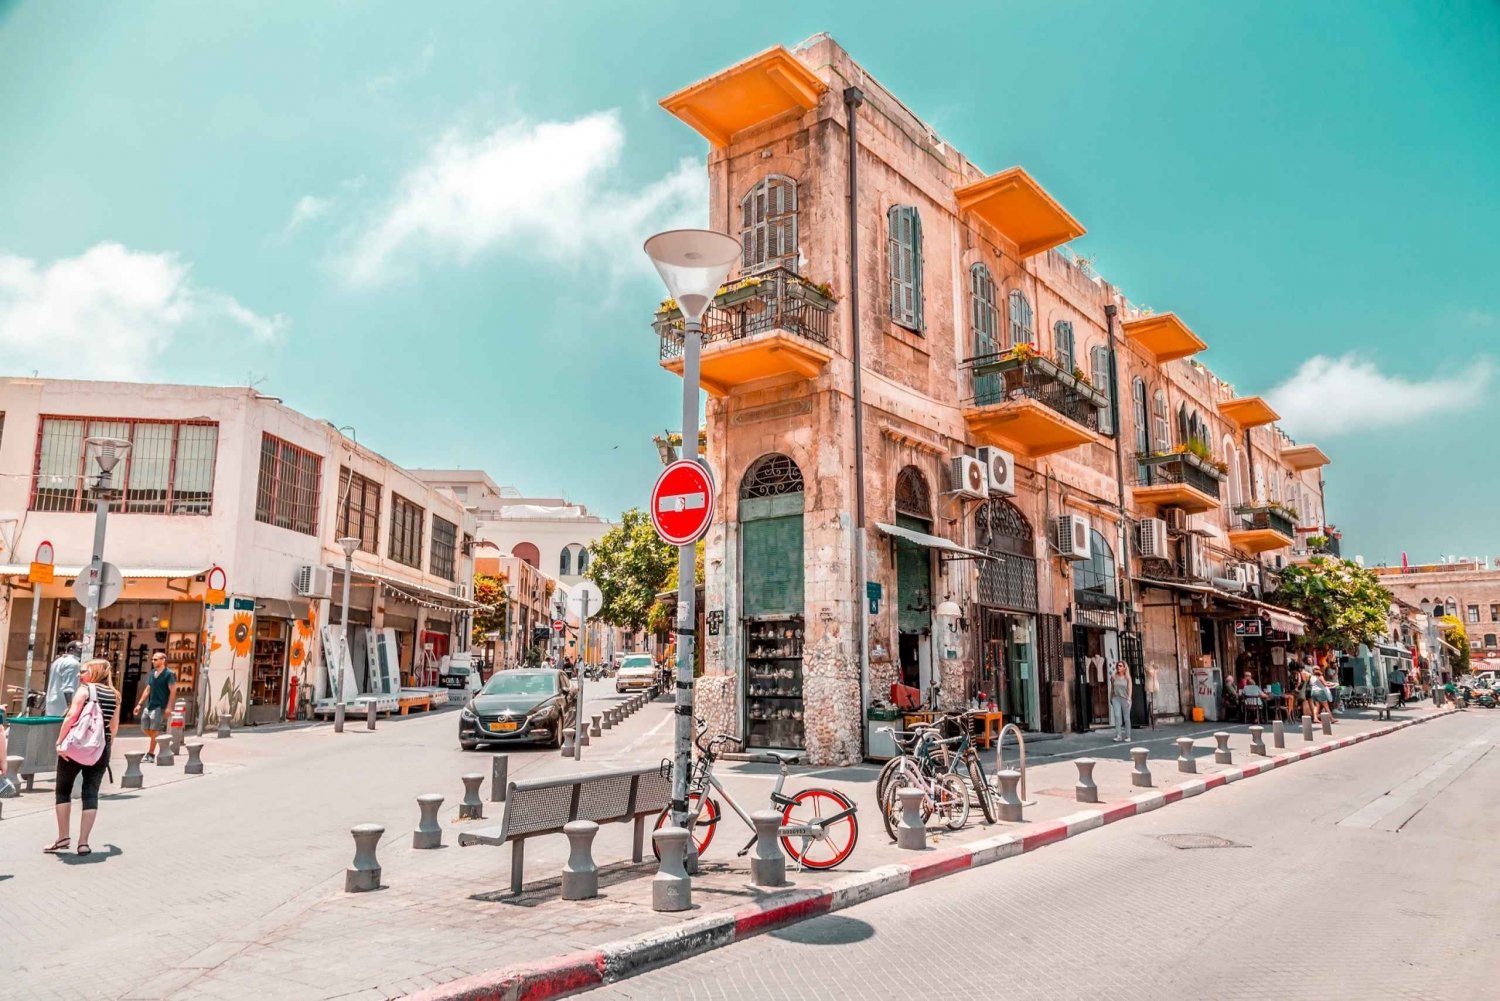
column 573, row 973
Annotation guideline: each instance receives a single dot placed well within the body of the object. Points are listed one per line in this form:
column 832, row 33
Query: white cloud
column 1476, row 317
column 110, row 312
column 394, row 78
column 308, row 208
column 549, row 189
column 1338, row 395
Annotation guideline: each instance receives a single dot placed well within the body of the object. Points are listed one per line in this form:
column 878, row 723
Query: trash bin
column 34, row 738
column 881, row 746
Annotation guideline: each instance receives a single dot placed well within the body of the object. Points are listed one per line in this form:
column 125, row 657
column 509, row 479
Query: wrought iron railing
column 1275, row 519
column 1003, row 376
column 1155, row 470
column 778, row 299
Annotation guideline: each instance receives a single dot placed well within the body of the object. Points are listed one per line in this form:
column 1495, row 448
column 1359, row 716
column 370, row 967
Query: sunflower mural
column 240, row 634
column 298, row 652
column 312, row 617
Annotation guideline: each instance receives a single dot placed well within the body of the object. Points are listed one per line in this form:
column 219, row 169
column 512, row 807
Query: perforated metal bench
column 543, row 806
column 1383, row 709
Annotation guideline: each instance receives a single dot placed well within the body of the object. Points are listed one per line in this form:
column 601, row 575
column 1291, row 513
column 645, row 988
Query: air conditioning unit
column 1000, row 467
column 1176, row 518
column 969, row 479
column 1231, row 584
column 1073, row 537
column 1154, row 545
column 1193, row 559
column 1248, row 574
column 314, row 582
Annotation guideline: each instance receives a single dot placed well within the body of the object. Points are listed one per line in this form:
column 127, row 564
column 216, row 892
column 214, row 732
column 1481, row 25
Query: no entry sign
column 682, row 502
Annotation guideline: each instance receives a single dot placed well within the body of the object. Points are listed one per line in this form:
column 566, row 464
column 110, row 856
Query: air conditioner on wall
column 1176, row 518
column 1154, row 539
column 314, row 582
column 1073, row 536
column 1232, row 584
column 1000, row 467
column 1193, row 561
column 969, row 479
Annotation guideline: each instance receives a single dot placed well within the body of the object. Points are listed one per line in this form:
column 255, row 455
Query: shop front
column 772, row 603
column 1010, row 665
column 1096, row 636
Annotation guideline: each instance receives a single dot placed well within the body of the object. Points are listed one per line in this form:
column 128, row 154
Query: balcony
column 1301, row 457
column 1248, row 412
column 1181, row 480
column 761, row 326
column 1017, row 206
column 765, row 86
column 1028, row 404
column 1263, row 528
column 1164, row 335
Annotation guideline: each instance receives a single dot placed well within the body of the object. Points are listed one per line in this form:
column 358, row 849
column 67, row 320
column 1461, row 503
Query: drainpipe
column 1255, row 498
column 853, row 98
column 1127, row 583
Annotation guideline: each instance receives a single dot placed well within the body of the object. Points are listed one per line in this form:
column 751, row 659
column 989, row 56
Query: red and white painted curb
column 560, row 976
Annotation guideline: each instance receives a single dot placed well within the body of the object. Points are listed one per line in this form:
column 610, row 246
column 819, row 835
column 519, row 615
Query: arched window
column 1452, row 606
column 1008, row 580
column 1062, row 337
column 583, row 559
column 527, row 553
column 1160, row 422
column 565, row 563
column 1094, row 578
column 1020, row 330
column 904, row 253
column 771, row 476
column 985, row 319
column 1232, row 460
column 913, row 497
column 768, row 225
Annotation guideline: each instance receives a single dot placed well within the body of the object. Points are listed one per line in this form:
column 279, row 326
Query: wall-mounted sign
column 244, row 604
column 1247, row 627
column 715, row 619
column 872, row 591
column 42, row 569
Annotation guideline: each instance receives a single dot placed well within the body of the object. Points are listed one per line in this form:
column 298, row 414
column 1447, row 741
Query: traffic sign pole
column 692, row 345
column 95, row 570
column 44, row 557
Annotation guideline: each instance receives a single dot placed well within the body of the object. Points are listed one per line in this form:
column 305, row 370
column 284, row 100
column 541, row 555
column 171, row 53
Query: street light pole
column 107, row 453
column 349, row 545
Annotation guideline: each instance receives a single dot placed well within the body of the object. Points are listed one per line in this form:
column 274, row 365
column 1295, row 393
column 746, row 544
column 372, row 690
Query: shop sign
column 872, row 591
column 715, row 620
column 1247, row 627
column 217, row 596
column 244, row 604
column 42, row 569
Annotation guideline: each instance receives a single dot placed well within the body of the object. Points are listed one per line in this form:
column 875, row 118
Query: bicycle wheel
column 839, row 837
column 887, row 774
column 703, row 830
column 952, row 801
column 890, row 803
column 982, row 790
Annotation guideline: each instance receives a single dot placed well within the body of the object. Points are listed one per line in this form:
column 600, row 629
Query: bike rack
column 1000, row 754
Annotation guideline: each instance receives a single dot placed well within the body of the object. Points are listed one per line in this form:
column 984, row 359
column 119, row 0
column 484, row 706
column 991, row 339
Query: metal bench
column 1383, row 709
column 543, row 806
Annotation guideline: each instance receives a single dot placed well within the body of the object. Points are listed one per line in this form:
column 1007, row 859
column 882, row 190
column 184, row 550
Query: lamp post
column 693, row 263
column 510, row 637
column 107, row 454
column 349, row 545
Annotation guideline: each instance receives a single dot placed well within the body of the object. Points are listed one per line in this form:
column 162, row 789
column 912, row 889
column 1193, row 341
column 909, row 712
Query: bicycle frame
column 705, row 779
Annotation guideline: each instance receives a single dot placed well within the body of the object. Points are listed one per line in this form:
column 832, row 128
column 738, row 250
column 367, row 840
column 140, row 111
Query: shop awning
column 945, row 548
column 138, row 573
column 1281, row 620
column 417, row 594
column 1176, row 585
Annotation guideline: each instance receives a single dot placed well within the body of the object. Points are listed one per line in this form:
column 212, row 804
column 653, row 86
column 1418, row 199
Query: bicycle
column 943, row 792
column 803, row 820
column 965, row 762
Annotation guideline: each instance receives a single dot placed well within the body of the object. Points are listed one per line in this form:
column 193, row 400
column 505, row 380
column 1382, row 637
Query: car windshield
column 509, row 683
column 637, row 662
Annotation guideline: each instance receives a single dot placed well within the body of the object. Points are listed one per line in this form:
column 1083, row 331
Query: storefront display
column 268, row 670
column 773, row 681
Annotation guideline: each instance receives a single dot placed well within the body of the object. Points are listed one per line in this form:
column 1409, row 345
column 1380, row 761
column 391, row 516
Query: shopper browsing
column 161, row 690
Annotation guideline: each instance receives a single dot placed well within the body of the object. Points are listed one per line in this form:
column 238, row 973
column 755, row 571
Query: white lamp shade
column 693, row 263
column 948, row 610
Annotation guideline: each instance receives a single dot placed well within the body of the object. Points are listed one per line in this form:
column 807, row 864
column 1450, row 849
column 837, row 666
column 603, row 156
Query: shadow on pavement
column 832, row 929
column 93, row 858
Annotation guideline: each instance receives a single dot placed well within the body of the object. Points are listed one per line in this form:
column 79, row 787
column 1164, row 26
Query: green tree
column 489, row 591
column 630, row 563
column 1344, row 604
column 659, row 615
column 1455, row 633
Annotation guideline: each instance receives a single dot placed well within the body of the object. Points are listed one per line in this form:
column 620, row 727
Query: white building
column 228, row 478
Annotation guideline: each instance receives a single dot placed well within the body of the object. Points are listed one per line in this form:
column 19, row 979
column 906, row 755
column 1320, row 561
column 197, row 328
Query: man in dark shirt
column 156, row 700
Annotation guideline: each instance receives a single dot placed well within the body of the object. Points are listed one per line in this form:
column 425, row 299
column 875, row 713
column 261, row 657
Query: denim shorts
column 154, row 720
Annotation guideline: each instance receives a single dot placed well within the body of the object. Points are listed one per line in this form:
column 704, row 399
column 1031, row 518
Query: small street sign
column 872, row 591
column 42, row 568
column 558, row 625
column 110, row 584
column 216, row 595
column 682, row 502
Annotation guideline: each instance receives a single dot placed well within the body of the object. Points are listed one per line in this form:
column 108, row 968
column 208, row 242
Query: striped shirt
column 109, row 704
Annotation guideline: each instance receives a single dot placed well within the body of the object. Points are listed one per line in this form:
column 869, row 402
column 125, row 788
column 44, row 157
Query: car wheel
column 469, row 745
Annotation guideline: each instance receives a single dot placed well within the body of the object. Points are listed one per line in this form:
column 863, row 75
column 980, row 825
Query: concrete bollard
column 364, row 875
column 580, row 876
column 1086, row 791
column 1222, row 755
column 370, row 715
column 1185, row 760
column 499, row 777
column 133, row 778
column 567, row 744
column 177, row 735
column 471, row 807
column 594, row 730
column 194, row 764
column 429, row 833
column 581, row 740
column 1278, row 734
column 1328, row 724
column 13, row 764
column 164, row 756
column 1010, row 803
column 1257, row 740
column 609, row 719
column 671, row 889
column 223, row 730
column 1307, row 733
column 911, row 833
column 767, row 863
column 1141, row 776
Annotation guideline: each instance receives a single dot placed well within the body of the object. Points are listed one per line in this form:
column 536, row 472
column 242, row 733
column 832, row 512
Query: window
column 1451, row 607
column 359, row 509
column 1094, row 578
column 168, row 470
column 406, row 532
column 1489, row 639
column 444, row 542
column 1020, row 330
column 565, row 563
column 527, row 553
column 1473, row 611
column 1142, row 414
column 1062, row 338
column 1495, row 613
column 1099, row 376
column 1231, row 457
column 290, row 479
column 768, row 225
column 985, row 319
column 583, row 561
column 904, row 240
column 1160, row 421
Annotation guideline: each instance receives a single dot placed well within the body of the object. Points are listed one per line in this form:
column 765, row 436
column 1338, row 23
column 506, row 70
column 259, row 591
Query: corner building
column 1127, row 504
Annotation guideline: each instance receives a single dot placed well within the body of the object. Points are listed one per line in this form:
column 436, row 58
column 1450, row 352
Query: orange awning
column 1012, row 202
column 746, row 94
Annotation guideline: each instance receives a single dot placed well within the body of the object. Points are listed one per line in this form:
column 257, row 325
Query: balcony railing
column 773, row 300
column 1271, row 518
column 1006, row 376
column 1182, row 467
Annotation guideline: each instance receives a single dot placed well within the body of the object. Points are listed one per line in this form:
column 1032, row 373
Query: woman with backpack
column 88, row 733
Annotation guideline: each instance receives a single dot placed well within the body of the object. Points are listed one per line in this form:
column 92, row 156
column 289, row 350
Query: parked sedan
column 521, row 705
column 637, row 671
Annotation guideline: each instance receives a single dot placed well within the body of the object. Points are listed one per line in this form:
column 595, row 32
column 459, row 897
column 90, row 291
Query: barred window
column 168, row 470
column 290, row 480
column 444, row 540
column 359, row 509
column 406, row 532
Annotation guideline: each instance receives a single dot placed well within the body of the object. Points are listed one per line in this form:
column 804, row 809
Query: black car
column 520, row 705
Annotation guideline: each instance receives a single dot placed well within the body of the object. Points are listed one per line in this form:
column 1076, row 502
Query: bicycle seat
column 785, row 757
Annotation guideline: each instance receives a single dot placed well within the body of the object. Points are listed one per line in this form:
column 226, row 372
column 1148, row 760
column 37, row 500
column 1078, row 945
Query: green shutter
column 913, row 579
column 771, row 572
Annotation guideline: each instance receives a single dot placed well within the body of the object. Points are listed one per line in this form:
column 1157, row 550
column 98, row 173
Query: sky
column 424, row 220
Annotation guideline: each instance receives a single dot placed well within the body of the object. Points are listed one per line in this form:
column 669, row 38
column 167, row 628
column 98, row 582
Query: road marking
column 1367, row 816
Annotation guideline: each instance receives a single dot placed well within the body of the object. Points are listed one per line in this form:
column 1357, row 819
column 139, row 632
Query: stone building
column 1467, row 589
column 910, row 365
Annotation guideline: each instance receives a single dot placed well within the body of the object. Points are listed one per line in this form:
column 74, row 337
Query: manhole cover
column 1186, row 841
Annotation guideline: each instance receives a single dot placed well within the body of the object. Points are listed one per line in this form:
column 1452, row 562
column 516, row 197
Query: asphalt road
column 1372, row 873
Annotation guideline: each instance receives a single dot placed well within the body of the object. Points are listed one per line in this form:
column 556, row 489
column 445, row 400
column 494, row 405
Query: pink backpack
column 84, row 742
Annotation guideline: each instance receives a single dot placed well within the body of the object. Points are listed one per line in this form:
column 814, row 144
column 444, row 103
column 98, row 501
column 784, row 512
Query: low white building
column 228, row 478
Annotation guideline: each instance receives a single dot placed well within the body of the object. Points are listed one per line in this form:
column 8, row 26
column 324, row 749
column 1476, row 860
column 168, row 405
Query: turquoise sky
column 423, row 219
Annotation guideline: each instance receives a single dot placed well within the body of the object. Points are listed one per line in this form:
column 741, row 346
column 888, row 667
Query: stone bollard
column 1328, row 724
column 580, row 876
column 581, row 740
column 1141, row 776
column 911, row 833
column 13, row 764
column 370, row 715
column 1278, row 734
column 499, row 776
column 429, row 833
column 178, row 738
column 1222, row 756
column 1011, row 808
column 671, row 890
column 164, row 757
column 767, row 863
column 567, row 744
column 609, row 719
column 1257, row 740
column 223, row 730
column 1307, row 733
column 194, row 764
column 594, row 730
column 1185, row 759
column 364, row 875
column 133, row 778
column 1086, row 791
column 471, row 807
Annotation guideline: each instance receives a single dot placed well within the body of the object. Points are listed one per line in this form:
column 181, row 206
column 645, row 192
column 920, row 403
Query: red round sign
column 682, row 502
column 558, row 625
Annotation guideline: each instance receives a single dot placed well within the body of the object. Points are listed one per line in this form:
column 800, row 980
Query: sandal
column 60, row 845
column 84, row 849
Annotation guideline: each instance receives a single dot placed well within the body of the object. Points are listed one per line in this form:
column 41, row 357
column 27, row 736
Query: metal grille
column 360, row 514
column 168, row 470
column 1049, row 665
column 1000, row 527
column 406, row 532
column 444, row 542
column 604, row 799
column 1162, row 469
column 771, row 476
column 913, row 496
column 654, row 791
column 287, row 494
column 1008, row 581
column 534, row 811
column 778, row 300
column 1039, row 382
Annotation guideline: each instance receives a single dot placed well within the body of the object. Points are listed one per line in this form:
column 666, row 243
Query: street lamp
column 349, row 545
column 693, row 263
column 107, row 453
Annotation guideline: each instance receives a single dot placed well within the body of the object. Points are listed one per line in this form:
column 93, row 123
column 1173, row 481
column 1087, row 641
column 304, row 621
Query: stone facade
column 1469, row 590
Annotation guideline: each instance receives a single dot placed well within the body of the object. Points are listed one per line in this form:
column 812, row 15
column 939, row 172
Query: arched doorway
column 913, row 501
column 1096, row 640
column 527, row 553
column 1009, row 672
column 771, row 506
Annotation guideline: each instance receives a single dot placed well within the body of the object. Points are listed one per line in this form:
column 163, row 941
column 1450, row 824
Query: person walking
column 1317, row 696
column 62, row 679
column 98, row 688
column 161, row 689
column 1398, row 686
column 1120, row 694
